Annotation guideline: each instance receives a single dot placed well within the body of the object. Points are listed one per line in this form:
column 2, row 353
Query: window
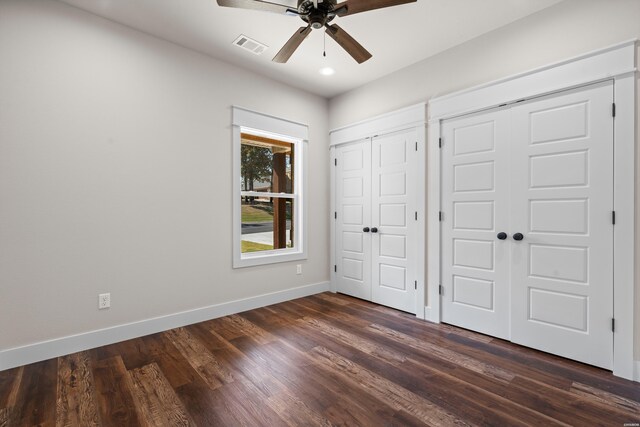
column 269, row 177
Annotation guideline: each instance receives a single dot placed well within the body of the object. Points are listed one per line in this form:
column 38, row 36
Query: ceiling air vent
column 249, row 44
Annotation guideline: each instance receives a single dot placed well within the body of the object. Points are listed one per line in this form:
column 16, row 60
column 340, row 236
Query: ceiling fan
column 318, row 14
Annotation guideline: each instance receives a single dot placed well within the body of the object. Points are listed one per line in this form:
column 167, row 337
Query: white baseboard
column 429, row 316
column 44, row 350
column 637, row 371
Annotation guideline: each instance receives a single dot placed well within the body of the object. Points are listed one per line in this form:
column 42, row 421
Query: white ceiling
column 396, row 36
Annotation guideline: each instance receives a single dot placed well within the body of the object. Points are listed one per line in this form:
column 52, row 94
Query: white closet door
column 561, row 193
column 475, row 192
column 393, row 175
column 353, row 204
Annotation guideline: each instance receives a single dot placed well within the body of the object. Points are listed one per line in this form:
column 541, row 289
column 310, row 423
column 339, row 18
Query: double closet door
column 527, row 231
column 376, row 219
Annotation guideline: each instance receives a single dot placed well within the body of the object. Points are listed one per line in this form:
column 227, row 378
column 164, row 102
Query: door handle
column 518, row 236
column 502, row 235
column 366, row 229
column 374, row 230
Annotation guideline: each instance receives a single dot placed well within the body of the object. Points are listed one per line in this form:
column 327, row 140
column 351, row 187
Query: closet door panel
column 393, row 175
column 562, row 199
column 353, row 205
column 475, row 191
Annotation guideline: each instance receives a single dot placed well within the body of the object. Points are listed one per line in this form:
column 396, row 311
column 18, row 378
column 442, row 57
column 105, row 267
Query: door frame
column 616, row 63
column 412, row 117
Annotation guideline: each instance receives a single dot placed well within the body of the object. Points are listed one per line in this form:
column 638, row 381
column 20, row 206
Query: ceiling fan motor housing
column 316, row 17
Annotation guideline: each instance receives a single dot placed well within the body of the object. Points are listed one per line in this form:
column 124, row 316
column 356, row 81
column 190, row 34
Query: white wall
column 568, row 29
column 115, row 175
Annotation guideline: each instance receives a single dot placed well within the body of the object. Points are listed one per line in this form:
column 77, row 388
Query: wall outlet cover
column 104, row 301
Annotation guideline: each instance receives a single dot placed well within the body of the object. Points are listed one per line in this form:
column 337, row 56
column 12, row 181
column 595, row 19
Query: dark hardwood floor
column 321, row 360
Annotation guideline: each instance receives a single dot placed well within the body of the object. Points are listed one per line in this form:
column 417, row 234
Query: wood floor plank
column 577, row 405
column 292, row 368
column 444, row 353
column 235, row 326
column 249, row 406
column 295, row 412
column 386, row 391
column 114, row 395
column 545, row 365
column 334, row 298
column 277, row 396
column 76, row 400
column 281, row 398
column 366, row 346
column 134, row 353
column 606, row 398
column 212, row 372
column 7, row 418
column 240, row 365
column 156, row 401
column 171, row 362
column 340, row 402
column 36, row 399
column 10, row 381
column 345, row 411
column 9, row 385
column 253, row 385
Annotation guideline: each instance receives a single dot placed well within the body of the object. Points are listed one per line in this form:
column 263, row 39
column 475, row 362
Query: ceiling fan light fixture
column 327, row 71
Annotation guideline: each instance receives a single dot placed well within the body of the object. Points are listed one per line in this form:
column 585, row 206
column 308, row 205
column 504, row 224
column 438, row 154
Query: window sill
column 254, row 258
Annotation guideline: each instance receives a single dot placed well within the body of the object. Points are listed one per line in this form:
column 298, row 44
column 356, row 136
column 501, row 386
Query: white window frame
column 247, row 121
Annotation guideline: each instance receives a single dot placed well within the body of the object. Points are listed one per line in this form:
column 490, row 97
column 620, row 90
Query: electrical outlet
column 299, row 269
column 104, row 301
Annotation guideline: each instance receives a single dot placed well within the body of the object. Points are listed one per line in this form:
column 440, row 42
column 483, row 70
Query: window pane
column 266, row 165
column 267, row 224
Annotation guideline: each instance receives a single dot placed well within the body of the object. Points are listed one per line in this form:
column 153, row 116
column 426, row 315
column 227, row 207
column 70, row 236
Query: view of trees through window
column 267, row 183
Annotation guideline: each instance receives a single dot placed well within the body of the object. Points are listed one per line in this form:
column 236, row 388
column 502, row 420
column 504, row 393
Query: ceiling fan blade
column 291, row 45
column 351, row 7
column 348, row 43
column 264, row 6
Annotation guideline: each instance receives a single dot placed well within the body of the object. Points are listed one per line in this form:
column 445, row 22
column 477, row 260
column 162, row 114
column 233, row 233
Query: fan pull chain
column 324, row 47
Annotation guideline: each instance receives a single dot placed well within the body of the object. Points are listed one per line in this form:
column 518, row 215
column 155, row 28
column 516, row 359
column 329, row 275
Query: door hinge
column 416, row 145
column 335, row 215
column 613, row 109
column 613, row 325
column 416, row 216
column 335, row 268
column 613, row 217
column 415, row 285
column 440, row 216
column 439, row 142
column 440, row 290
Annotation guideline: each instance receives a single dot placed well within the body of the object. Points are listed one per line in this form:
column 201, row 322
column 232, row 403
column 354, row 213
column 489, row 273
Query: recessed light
column 327, row 71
